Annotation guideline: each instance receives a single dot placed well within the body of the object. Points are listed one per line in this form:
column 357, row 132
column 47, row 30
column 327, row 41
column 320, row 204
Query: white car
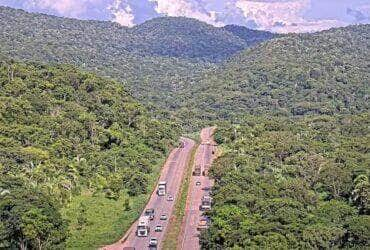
column 169, row 197
column 153, row 242
column 198, row 183
column 158, row 228
column 163, row 217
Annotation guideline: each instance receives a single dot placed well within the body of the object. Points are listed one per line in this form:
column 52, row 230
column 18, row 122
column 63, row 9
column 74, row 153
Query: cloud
column 122, row 13
column 70, row 8
column 274, row 15
column 360, row 14
column 283, row 16
column 187, row 8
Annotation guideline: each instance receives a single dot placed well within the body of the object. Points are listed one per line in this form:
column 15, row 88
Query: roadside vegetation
column 292, row 184
column 79, row 143
column 79, row 155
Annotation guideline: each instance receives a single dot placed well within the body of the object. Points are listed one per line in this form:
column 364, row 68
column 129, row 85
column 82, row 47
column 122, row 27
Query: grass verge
column 174, row 227
column 104, row 220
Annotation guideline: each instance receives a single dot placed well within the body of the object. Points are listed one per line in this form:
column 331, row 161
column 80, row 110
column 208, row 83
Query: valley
column 97, row 120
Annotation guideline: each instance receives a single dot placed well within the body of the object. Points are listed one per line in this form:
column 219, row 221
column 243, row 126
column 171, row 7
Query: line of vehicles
column 143, row 226
column 206, row 200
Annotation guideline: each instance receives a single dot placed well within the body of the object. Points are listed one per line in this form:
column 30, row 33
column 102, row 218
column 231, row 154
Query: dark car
column 150, row 213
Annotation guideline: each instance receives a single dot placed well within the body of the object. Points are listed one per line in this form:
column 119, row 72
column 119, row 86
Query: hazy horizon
column 280, row 16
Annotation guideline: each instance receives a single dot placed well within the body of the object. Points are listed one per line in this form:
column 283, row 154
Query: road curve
column 172, row 172
column 189, row 239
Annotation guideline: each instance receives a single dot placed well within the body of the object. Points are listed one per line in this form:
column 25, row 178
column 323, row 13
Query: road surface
column 189, row 238
column 172, row 172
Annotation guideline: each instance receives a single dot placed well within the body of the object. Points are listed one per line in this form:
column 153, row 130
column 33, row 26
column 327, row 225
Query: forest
column 63, row 133
column 90, row 109
column 284, row 183
column 152, row 60
column 324, row 73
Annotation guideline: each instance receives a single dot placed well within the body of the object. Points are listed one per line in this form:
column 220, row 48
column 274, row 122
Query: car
column 158, row 228
column 169, row 197
column 153, row 242
column 198, row 183
column 163, row 217
column 150, row 213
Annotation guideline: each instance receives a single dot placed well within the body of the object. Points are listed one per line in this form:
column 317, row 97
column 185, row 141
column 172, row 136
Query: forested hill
column 71, row 138
column 154, row 66
column 188, row 38
column 178, row 37
column 251, row 37
column 321, row 73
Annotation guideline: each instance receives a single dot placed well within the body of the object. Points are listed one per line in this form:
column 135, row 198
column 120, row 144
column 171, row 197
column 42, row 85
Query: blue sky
column 273, row 15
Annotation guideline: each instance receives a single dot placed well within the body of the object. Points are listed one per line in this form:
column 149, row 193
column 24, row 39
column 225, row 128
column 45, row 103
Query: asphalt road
column 172, row 172
column 189, row 239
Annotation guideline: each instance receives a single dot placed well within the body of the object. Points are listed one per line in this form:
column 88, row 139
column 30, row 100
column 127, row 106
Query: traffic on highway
column 149, row 230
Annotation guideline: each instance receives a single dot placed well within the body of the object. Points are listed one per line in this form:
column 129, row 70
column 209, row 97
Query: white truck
column 143, row 227
column 162, row 186
column 206, row 203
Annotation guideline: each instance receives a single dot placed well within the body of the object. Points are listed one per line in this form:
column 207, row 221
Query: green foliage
column 155, row 60
column 63, row 131
column 29, row 218
column 324, row 73
column 291, row 184
column 189, row 38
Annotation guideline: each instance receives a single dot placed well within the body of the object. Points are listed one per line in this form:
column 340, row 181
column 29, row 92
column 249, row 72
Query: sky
column 280, row 16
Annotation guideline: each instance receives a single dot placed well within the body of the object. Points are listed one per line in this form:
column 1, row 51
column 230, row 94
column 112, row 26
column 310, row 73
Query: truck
column 206, row 203
column 162, row 186
column 197, row 170
column 143, row 227
column 149, row 213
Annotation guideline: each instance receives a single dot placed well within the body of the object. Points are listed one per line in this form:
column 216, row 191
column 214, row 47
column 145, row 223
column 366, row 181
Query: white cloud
column 187, row 8
column 122, row 13
column 283, row 16
column 70, row 8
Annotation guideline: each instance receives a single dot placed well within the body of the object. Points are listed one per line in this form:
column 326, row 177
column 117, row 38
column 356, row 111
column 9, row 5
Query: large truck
column 197, row 170
column 206, row 203
column 143, row 226
column 162, row 186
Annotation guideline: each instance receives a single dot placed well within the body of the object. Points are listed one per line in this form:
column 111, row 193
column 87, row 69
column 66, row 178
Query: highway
column 189, row 239
column 172, row 172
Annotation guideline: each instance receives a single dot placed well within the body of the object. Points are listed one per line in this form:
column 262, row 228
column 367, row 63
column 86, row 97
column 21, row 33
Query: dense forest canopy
column 79, row 154
column 292, row 184
column 155, row 60
column 62, row 132
column 321, row 73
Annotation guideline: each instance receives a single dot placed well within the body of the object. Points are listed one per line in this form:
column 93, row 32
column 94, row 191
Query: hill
column 322, row 73
column 155, row 60
column 187, row 38
column 82, row 146
column 251, row 37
